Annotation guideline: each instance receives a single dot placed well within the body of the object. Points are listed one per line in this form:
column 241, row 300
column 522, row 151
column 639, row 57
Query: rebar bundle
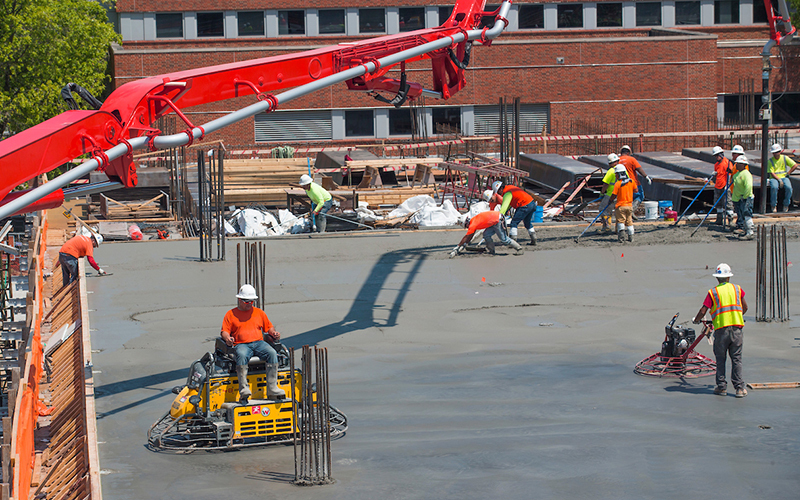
column 772, row 288
column 211, row 205
column 312, row 444
column 251, row 268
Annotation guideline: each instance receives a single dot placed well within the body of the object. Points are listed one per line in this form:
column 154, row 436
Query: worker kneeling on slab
column 243, row 329
column 492, row 223
column 622, row 194
column 523, row 204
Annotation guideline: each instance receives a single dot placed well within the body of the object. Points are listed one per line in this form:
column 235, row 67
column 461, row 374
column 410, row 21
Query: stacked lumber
column 391, row 196
column 262, row 181
column 148, row 209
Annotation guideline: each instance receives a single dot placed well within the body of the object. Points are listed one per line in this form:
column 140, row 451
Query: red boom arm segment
column 131, row 110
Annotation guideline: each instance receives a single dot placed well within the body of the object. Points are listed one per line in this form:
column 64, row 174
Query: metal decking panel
column 552, row 171
column 677, row 163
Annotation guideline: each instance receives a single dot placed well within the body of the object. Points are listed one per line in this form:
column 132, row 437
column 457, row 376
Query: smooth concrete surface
column 520, row 386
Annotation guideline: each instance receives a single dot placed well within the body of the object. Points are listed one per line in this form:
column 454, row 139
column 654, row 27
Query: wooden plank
column 36, row 477
column 774, row 385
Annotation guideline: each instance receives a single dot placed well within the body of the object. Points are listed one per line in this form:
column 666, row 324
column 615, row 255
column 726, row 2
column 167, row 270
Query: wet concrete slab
column 476, row 377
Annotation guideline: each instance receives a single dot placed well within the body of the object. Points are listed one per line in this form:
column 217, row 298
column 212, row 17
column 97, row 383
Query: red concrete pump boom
column 124, row 122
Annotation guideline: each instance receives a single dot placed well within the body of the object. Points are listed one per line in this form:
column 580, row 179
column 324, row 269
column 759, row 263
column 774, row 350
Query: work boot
column 740, row 393
column 517, row 247
column 273, row 391
column 490, row 247
column 747, row 236
column 720, row 391
column 244, row 385
column 533, row 239
column 774, row 210
column 785, row 209
column 621, row 235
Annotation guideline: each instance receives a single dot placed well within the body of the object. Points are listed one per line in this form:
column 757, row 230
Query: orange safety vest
column 727, row 305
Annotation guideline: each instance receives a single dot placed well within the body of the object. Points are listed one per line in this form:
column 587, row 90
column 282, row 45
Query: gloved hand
column 649, row 180
column 456, row 250
column 101, row 272
column 696, row 321
column 313, row 228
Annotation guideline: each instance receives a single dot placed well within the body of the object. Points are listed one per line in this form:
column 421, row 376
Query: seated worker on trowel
column 492, row 223
column 243, row 329
column 623, row 194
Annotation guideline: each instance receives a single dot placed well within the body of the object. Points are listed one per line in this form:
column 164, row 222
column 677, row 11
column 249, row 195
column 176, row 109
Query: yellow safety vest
column 727, row 305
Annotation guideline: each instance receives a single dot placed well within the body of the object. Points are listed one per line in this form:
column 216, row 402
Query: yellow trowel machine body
column 206, row 413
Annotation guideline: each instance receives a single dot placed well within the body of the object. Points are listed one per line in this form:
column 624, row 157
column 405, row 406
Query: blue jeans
column 321, row 220
column 524, row 214
column 498, row 230
column 639, row 194
column 69, row 267
column 744, row 211
column 774, row 185
column 260, row 348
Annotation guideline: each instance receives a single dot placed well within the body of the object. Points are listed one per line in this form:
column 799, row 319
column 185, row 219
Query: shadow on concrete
column 139, row 382
column 161, row 394
column 272, row 477
column 361, row 314
column 687, row 388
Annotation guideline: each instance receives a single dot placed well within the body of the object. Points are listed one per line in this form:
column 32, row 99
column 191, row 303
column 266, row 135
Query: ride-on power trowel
column 677, row 357
column 206, row 413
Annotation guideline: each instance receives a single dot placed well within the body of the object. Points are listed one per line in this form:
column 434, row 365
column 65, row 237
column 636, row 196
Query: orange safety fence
column 27, row 409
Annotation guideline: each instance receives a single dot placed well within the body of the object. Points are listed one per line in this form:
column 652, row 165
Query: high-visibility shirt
column 631, row 165
column 721, row 168
column 725, row 304
column 514, row 197
column 79, row 246
column 483, row 220
column 610, row 178
column 319, row 195
column 742, row 186
column 623, row 189
column 780, row 166
column 246, row 326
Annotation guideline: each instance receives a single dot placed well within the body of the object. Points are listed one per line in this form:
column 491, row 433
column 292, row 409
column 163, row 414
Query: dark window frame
column 608, row 15
column 570, row 15
column 698, row 15
column 535, row 12
column 393, row 121
column 164, row 17
column 379, row 28
column 646, row 19
column 444, row 13
column 417, row 12
column 286, row 29
column 735, row 13
column 449, row 120
column 354, row 117
column 331, row 32
column 254, row 14
column 210, row 24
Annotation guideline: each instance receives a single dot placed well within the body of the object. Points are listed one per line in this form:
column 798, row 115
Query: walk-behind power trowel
column 206, row 413
column 678, row 357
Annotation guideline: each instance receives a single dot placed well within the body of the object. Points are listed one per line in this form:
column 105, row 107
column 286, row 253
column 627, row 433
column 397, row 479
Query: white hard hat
column 723, row 271
column 487, row 195
column 98, row 238
column 612, row 158
column 496, row 186
column 776, row 148
column 466, row 222
column 717, row 151
column 737, row 149
column 620, row 169
column 625, row 148
column 247, row 292
column 305, row 180
column 741, row 159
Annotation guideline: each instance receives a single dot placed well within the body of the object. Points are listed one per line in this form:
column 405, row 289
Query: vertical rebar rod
column 785, row 267
column 200, row 198
column 327, row 416
column 238, row 266
column 294, row 402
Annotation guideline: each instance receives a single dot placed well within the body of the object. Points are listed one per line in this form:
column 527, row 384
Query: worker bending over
column 523, row 204
column 244, row 328
column 321, row 202
column 609, row 180
column 75, row 248
column 633, row 166
column 742, row 194
column 492, row 223
column 723, row 169
column 776, row 167
column 623, row 195
column 728, row 307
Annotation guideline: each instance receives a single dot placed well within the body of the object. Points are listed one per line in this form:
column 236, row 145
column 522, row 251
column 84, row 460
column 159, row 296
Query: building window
column 446, row 120
column 726, row 12
column 609, row 15
column 400, row 121
column 371, row 20
column 291, row 22
column 570, row 15
column 331, row 21
column 250, row 23
column 210, row 24
column 488, row 21
column 169, row 25
column 759, row 13
column 648, row 13
column 412, row 18
column 359, row 123
column 531, row 17
column 687, row 13
column 444, row 13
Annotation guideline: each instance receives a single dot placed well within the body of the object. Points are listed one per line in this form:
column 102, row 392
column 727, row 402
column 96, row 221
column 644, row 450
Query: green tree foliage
column 45, row 44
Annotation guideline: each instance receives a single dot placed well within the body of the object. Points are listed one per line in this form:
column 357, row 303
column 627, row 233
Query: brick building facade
column 592, row 67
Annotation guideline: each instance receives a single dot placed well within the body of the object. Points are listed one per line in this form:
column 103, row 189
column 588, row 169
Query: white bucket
column 650, row 210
